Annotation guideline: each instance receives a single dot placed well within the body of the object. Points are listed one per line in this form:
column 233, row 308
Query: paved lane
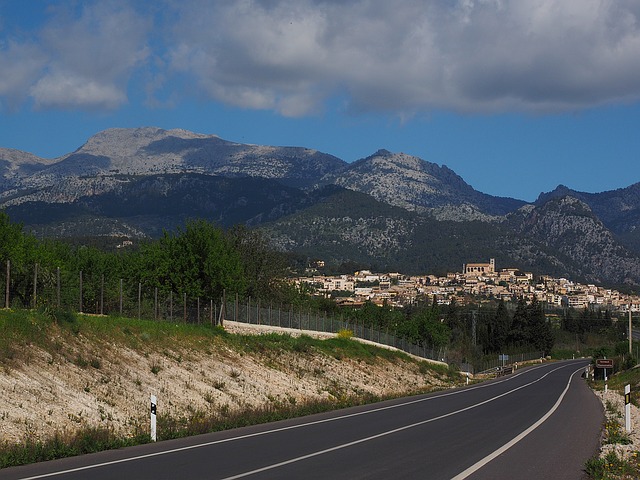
column 433, row 436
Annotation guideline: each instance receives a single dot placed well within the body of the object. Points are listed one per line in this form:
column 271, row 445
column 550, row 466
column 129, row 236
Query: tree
column 198, row 261
column 539, row 331
column 263, row 268
column 453, row 319
column 499, row 328
column 519, row 335
column 431, row 331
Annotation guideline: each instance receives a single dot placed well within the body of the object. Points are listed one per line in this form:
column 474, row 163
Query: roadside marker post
column 627, row 407
column 153, row 418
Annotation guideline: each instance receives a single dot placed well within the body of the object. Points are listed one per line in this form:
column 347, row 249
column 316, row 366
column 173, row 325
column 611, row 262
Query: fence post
column 155, row 303
column 102, row 295
column 235, row 311
column 211, row 311
column 35, row 285
column 139, row 299
column 6, row 296
column 198, row 304
column 80, row 291
column 58, row 287
column 223, row 307
column 185, row 307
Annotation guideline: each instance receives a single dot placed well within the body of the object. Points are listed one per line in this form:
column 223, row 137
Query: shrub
column 344, row 333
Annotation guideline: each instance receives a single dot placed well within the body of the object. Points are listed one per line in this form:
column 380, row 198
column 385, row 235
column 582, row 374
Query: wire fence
column 301, row 318
column 94, row 294
column 88, row 293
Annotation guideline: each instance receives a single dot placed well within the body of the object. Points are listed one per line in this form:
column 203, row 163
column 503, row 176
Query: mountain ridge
column 388, row 208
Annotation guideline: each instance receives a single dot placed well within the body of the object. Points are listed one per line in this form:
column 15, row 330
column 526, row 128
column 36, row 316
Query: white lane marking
column 481, row 463
column 291, row 427
column 388, row 432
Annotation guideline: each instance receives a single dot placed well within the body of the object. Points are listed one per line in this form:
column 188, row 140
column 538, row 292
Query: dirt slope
column 89, row 381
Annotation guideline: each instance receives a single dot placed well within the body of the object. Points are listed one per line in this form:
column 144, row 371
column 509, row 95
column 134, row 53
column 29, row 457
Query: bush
column 344, row 333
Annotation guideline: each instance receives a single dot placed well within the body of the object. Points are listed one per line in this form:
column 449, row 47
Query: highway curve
column 540, row 422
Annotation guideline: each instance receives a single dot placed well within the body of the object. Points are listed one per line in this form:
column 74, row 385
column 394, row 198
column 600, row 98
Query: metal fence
column 89, row 293
column 301, row 318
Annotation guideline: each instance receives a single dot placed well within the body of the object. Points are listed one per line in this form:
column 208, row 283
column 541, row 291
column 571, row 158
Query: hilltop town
column 476, row 280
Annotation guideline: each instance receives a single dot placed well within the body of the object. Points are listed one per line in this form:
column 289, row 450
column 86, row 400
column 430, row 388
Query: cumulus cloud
column 20, row 64
column 412, row 55
column 292, row 56
column 91, row 56
column 82, row 57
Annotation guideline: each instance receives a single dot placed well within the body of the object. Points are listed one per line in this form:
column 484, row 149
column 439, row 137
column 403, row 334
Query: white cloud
column 412, row 55
column 59, row 90
column 20, row 64
column 291, row 56
column 85, row 56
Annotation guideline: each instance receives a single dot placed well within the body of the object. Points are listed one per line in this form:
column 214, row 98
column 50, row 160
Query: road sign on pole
column 604, row 363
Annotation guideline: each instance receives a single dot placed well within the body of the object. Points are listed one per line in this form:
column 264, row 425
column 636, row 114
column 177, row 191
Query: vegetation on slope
column 104, row 358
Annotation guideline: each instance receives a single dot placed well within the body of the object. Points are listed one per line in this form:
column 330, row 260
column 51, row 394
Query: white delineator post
column 153, row 418
column 627, row 407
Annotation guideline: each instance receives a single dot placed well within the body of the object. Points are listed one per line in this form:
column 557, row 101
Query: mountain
column 573, row 230
column 389, row 210
column 147, row 205
column 414, row 184
column 560, row 238
column 619, row 210
column 152, row 151
column 15, row 165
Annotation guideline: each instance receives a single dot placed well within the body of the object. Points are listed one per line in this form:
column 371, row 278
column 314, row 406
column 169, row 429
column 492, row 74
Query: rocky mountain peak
column 126, row 142
column 417, row 185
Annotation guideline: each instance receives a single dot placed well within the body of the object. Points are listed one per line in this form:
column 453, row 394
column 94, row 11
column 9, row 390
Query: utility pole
column 630, row 332
column 474, row 326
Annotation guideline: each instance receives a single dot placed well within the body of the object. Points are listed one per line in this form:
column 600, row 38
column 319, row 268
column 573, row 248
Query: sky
column 515, row 96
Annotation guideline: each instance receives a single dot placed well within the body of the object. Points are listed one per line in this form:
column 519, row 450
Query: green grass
column 86, row 440
column 20, row 328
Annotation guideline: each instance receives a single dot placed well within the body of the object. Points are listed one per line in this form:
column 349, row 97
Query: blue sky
column 516, row 96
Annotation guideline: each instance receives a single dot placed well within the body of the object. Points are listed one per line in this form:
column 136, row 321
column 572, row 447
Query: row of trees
column 199, row 260
column 485, row 330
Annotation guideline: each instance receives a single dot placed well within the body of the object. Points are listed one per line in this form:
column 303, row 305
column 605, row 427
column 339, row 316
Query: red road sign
column 604, row 363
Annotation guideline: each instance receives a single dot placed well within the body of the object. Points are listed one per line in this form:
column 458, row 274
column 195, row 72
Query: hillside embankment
column 62, row 373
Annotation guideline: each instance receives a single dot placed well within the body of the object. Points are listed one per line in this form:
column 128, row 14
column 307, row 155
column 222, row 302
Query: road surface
column 540, row 422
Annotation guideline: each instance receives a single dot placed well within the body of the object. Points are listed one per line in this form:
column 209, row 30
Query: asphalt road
column 541, row 422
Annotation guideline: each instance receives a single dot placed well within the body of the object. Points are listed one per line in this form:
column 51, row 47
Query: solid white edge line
column 388, row 432
column 481, row 463
column 291, row 427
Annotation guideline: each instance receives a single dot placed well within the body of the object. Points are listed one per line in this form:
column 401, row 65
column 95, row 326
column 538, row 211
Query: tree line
column 197, row 260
